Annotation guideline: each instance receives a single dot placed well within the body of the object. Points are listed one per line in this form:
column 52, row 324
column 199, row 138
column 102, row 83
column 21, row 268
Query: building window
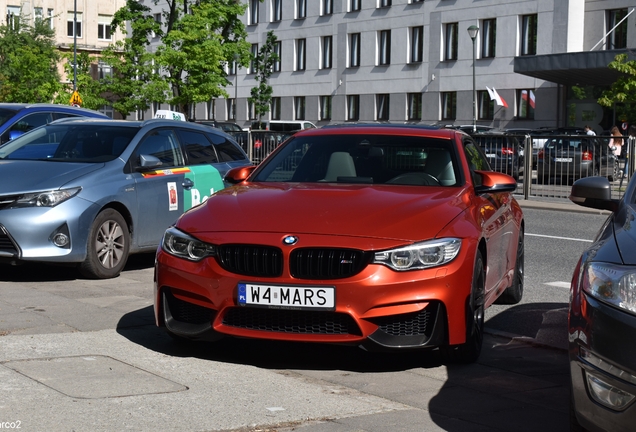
column 301, row 9
column 485, row 106
column 13, row 16
column 325, row 108
column 300, row 54
column 251, row 112
column 617, row 38
column 384, row 3
column 488, row 37
column 417, row 44
column 449, row 105
column 253, row 12
column 529, row 34
column 49, row 16
column 275, row 108
column 78, row 25
column 382, row 107
column 104, row 27
column 414, row 109
column 354, row 5
column 277, row 10
column 384, row 47
column 157, row 18
column 327, row 7
column 326, row 52
column 354, row 50
column 353, row 107
column 210, row 107
column 299, row 108
column 278, row 50
column 525, row 104
column 38, row 14
column 450, row 41
column 254, row 53
column 104, row 70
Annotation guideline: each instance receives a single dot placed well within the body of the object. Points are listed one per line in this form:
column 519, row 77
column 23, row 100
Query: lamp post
column 236, row 57
column 473, row 30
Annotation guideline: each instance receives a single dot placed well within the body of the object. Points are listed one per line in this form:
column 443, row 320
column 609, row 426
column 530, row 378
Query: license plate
column 287, row 297
column 490, row 155
column 563, row 159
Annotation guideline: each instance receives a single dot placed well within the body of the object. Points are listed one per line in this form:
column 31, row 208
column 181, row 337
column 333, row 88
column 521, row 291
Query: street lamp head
column 473, row 30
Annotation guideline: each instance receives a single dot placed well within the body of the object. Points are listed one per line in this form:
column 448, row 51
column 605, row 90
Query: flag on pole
column 499, row 99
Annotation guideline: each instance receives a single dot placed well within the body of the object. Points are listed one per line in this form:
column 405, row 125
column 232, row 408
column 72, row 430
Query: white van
column 283, row 125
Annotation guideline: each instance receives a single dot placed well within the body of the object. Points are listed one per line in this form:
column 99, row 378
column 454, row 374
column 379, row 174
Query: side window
column 227, row 150
column 25, row 124
column 60, row 115
column 199, row 150
column 476, row 160
column 161, row 144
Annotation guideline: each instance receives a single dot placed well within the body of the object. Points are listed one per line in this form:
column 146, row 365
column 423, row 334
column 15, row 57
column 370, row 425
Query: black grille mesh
column 291, row 321
column 251, row 260
column 317, row 263
column 412, row 324
column 6, row 244
column 186, row 312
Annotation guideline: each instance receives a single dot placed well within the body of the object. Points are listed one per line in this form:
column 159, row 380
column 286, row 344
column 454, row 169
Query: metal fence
column 544, row 165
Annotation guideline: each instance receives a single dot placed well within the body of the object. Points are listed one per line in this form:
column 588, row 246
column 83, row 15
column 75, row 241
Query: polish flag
column 524, row 95
column 500, row 101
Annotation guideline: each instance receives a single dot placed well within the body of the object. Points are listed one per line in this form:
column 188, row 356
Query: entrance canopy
column 579, row 68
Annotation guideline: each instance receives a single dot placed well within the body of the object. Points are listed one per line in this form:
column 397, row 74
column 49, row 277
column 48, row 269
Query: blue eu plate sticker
column 242, row 294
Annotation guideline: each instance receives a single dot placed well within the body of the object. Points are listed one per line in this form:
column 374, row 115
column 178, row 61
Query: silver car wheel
column 110, row 244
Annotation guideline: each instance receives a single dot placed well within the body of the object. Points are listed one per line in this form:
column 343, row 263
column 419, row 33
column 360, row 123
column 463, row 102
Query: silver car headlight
column 45, row 198
column 611, row 283
column 419, row 256
column 180, row 244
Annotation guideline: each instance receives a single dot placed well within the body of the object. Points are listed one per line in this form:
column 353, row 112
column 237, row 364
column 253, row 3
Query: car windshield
column 373, row 159
column 6, row 114
column 569, row 144
column 70, row 143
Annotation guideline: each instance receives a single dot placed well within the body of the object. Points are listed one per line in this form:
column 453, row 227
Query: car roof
column 383, row 129
column 55, row 107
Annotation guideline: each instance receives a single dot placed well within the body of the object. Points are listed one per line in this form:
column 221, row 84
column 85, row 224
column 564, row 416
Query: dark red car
column 392, row 237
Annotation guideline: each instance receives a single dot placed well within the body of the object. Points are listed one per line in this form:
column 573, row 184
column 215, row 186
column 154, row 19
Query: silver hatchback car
column 94, row 191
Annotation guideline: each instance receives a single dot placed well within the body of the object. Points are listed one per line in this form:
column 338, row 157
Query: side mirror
column 493, row 182
column 14, row 134
column 593, row 192
column 147, row 163
column 239, row 174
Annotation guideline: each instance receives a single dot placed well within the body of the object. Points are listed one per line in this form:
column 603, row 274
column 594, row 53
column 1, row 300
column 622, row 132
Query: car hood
column 391, row 212
column 18, row 176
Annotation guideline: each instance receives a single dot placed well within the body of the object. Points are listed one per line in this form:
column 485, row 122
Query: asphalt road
column 85, row 355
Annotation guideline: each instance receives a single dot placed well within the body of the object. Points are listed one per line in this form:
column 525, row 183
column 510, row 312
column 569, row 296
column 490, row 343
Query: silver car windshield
column 70, row 143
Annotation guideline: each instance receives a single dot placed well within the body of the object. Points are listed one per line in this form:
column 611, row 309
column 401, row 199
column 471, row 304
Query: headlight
column 181, row 245
column 45, row 199
column 611, row 283
column 420, row 255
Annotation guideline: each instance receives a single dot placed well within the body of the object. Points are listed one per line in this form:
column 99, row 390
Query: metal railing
column 552, row 162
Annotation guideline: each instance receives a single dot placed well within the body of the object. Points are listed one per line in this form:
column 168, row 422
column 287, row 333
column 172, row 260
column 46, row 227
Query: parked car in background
column 285, row 126
column 541, row 135
column 573, row 157
column 18, row 118
column 503, row 150
column 91, row 191
column 376, row 236
column 602, row 315
column 469, row 129
column 224, row 126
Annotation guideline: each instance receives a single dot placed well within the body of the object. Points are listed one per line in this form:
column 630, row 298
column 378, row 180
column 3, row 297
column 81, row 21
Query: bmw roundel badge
column 290, row 240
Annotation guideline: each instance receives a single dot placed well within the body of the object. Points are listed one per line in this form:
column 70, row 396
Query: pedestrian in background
column 631, row 139
column 588, row 130
column 616, row 141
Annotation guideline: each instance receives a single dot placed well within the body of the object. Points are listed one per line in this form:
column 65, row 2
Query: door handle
column 187, row 184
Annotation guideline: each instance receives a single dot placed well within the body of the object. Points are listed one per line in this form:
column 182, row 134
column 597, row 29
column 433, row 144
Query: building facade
column 412, row 61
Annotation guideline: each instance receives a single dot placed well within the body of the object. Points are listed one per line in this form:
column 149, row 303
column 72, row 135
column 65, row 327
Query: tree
column 263, row 66
column 622, row 92
column 200, row 41
column 28, row 62
column 135, row 81
column 88, row 88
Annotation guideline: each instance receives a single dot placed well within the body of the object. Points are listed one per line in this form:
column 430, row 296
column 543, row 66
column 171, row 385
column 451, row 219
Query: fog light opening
column 61, row 237
column 608, row 395
column 60, row 240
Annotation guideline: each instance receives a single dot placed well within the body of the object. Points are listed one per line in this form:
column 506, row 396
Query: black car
column 504, row 151
column 224, row 126
column 602, row 315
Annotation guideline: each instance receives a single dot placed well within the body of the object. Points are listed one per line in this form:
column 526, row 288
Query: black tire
column 108, row 246
column 514, row 293
column 469, row 351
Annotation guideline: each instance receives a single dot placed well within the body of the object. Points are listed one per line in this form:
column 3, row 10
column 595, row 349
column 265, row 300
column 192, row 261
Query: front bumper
column 376, row 308
column 606, row 333
column 26, row 234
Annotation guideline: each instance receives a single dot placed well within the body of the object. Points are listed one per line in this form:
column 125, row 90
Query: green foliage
column 28, row 62
column 623, row 91
column 88, row 88
column 264, row 65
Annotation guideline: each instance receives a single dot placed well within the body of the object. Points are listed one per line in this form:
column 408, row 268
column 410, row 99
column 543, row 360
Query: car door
column 160, row 185
column 203, row 166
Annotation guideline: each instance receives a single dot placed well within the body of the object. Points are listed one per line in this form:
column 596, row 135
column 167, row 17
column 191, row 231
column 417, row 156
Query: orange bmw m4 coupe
column 391, row 237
